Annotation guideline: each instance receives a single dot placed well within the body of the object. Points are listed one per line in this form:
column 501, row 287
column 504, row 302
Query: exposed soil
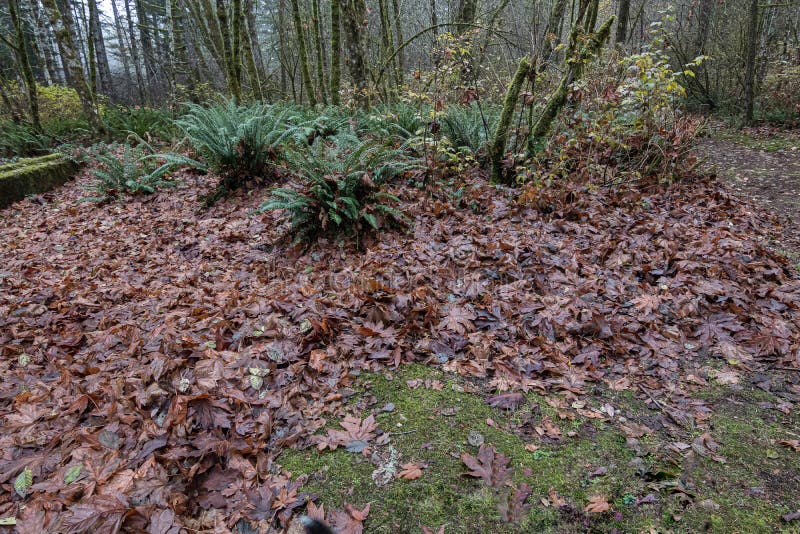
column 770, row 178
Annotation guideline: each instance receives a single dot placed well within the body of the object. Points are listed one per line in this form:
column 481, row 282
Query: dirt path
column 771, row 179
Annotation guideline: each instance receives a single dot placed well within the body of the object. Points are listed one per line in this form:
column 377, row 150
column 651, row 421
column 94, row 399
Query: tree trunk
column 573, row 67
column 236, row 49
column 500, row 138
column 465, row 14
column 96, row 32
column 302, row 51
column 147, row 47
column 624, row 14
column 45, row 44
column 705, row 10
column 255, row 43
column 750, row 63
column 398, row 29
column 434, row 21
column 249, row 58
column 123, row 49
column 61, row 24
column 25, row 64
column 321, row 63
column 552, row 35
column 353, row 23
column 135, row 56
column 336, row 52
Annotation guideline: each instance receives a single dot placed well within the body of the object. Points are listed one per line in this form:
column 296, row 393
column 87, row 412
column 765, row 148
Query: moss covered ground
column 653, row 483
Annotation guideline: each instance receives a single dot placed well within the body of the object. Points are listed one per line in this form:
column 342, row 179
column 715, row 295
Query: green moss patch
column 648, row 485
column 33, row 176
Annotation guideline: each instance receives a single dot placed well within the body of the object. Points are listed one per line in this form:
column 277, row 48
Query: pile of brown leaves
column 158, row 356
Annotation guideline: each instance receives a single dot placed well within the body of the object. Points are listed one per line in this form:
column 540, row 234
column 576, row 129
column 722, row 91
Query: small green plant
column 341, row 189
column 238, row 142
column 470, row 127
column 129, row 169
column 142, row 121
column 21, row 140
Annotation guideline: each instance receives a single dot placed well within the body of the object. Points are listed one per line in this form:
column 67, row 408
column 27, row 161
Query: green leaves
column 341, row 190
column 129, row 171
column 72, row 474
column 23, row 482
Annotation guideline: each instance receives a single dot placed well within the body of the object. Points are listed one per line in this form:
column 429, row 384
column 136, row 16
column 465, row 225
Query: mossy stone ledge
column 33, row 176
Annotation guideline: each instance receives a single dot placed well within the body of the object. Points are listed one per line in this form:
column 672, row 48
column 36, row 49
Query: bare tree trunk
column 255, row 43
column 705, row 10
column 44, row 44
column 398, row 28
column 61, row 23
column 302, row 51
column 25, row 64
column 147, row 47
column 123, row 49
column 135, row 56
column 96, row 32
column 249, row 57
column 750, row 63
column 623, row 15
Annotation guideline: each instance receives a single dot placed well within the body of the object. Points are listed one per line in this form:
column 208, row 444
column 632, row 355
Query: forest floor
column 602, row 361
column 761, row 164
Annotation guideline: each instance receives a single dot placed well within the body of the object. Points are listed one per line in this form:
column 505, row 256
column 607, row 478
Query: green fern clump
column 142, row 121
column 132, row 172
column 21, row 140
column 341, row 191
column 470, row 127
column 238, row 142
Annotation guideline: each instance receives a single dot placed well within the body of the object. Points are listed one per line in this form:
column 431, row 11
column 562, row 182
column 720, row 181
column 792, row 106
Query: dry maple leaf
column 426, row 530
column 791, row 443
column 597, row 505
column 548, row 430
column 554, row 499
column 350, row 520
column 410, row 471
column 516, row 506
column 354, row 430
column 490, row 466
column 459, row 320
column 100, row 513
column 316, row 360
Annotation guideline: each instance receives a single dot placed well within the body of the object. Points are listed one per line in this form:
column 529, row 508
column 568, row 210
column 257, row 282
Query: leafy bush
column 341, row 190
column 400, row 120
column 142, row 121
column 634, row 128
column 239, row 142
column 470, row 127
column 131, row 170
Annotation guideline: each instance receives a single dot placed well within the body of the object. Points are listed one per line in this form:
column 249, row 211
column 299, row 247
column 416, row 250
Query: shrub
column 239, row 142
column 129, row 170
column 633, row 129
column 340, row 191
column 400, row 120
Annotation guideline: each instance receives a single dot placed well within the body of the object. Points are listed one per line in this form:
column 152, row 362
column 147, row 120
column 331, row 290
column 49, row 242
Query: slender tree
column 99, row 45
column 623, row 14
column 25, row 65
column 61, row 24
column 336, row 52
column 302, row 51
column 750, row 62
column 353, row 22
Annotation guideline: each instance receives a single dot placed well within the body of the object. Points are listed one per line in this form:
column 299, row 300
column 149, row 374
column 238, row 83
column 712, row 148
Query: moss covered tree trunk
column 60, row 23
column 318, row 46
column 99, row 44
column 336, row 52
column 398, row 29
column 498, row 147
column 353, row 24
column 302, row 51
column 25, row 64
column 573, row 67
